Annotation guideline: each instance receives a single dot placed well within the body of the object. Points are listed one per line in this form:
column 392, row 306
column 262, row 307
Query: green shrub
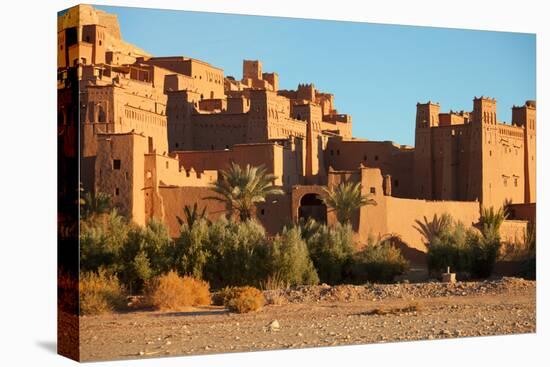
column 379, row 261
column 485, row 252
column 224, row 252
column 243, row 299
column 290, row 261
column 238, row 254
column 450, row 244
column 450, row 249
column 331, row 249
column 191, row 251
column 135, row 254
column 147, row 253
column 100, row 293
column 101, row 240
column 170, row 292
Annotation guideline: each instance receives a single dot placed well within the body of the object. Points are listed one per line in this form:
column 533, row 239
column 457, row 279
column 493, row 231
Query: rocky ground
column 319, row 316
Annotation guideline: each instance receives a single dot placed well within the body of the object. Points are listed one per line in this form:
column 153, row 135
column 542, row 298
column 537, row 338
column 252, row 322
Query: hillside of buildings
column 208, row 196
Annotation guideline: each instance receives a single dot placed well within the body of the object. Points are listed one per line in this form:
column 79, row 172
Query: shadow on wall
column 413, row 255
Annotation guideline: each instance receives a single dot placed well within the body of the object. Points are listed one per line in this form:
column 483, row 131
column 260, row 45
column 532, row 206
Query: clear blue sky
column 377, row 72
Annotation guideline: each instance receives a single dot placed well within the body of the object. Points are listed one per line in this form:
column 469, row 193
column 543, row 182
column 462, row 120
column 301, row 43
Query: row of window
column 365, row 157
column 505, row 181
column 144, row 117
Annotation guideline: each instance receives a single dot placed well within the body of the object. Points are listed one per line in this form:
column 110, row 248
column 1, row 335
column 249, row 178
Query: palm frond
column 345, row 199
column 434, row 228
column 241, row 188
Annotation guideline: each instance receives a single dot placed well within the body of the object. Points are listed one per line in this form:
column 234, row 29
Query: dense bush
column 101, row 240
column 331, row 249
column 192, row 248
column 290, row 261
column 379, row 261
column 224, row 252
column 484, row 252
column 146, row 254
column 450, row 248
column 242, row 299
column 470, row 251
column 170, row 292
column 135, row 254
column 100, row 293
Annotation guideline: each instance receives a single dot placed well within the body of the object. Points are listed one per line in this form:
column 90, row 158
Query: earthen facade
column 155, row 131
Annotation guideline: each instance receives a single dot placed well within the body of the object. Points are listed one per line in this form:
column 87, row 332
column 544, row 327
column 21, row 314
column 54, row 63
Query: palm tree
column 491, row 220
column 241, row 188
column 94, row 204
column 345, row 199
column 434, row 228
column 192, row 214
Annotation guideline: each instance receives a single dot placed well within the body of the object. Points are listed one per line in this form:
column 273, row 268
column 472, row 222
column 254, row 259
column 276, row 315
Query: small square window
column 117, row 191
column 373, row 190
column 375, row 157
column 116, row 163
column 167, row 164
column 262, row 211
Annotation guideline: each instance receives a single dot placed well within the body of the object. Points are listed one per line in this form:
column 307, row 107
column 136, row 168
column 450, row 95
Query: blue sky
column 377, row 72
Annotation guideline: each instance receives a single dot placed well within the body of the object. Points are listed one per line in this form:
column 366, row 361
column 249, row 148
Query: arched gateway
column 312, row 206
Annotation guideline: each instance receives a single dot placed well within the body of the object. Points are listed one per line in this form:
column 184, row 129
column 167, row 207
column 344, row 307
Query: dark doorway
column 312, row 206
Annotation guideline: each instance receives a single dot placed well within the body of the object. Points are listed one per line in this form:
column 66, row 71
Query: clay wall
column 176, row 82
column 119, row 172
column 269, row 155
column 503, row 164
column 213, row 105
column 271, row 214
column 526, row 117
column 166, row 171
column 402, row 213
column 526, row 211
column 390, row 158
column 218, row 130
column 238, row 104
column 513, row 231
column 208, row 80
column 451, row 118
column 179, row 110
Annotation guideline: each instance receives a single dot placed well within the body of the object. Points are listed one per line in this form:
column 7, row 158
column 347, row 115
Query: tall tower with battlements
column 427, row 116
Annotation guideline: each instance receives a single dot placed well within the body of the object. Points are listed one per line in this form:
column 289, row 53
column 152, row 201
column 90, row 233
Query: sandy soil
column 507, row 310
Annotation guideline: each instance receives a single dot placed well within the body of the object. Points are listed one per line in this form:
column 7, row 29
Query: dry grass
column 100, row 293
column 274, row 298
column 411, row 307
column 170, row 292
column 274, row 282
column 243, row 299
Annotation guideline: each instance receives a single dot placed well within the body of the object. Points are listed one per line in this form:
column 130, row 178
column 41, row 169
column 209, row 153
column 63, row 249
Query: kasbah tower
column 155, row 131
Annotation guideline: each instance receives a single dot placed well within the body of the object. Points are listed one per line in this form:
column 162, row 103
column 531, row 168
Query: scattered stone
column 274, row 326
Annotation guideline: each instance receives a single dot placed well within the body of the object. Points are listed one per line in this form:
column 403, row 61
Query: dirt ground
column 508, row 309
